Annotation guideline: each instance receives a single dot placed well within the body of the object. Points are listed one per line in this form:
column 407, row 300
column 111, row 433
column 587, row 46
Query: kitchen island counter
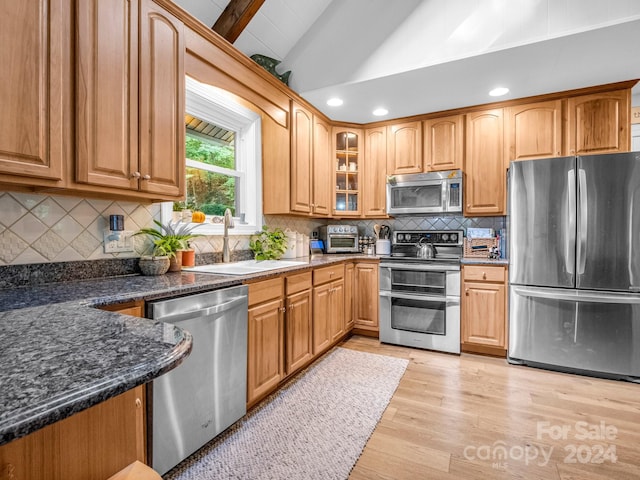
column 60, row 355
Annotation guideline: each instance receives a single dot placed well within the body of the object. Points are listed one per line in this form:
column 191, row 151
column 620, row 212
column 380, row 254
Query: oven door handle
column 448, row 299
column 421, row 267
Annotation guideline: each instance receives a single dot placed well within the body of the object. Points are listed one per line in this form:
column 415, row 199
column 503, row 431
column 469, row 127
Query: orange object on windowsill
column 198, row 217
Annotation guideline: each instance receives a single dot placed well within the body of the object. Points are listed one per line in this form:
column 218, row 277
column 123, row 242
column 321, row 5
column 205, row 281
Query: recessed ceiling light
column 499, row 91
column 334, row 102
column 378, row 112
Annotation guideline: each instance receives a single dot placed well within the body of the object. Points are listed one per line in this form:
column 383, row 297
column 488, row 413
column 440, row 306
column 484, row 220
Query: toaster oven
column 339, row 238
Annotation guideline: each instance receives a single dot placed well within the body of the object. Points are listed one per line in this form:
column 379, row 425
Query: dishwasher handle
column 204, row 312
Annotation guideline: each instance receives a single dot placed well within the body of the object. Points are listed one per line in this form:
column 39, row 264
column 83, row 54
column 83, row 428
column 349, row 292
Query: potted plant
column 269, row 245
column 169, row 240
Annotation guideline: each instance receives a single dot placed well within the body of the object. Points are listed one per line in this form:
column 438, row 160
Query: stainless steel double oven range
column 420, row 297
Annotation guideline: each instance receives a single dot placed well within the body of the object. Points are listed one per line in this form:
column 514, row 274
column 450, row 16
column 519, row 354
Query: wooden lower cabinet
column 295, row 318
column 133, row 309
column 483, row 313
column 91, row 445
column 349, row 295
column 336, row 314
column 265, row 365
column 321, row 313
column 366, row 302
column 298, row 322
column 328, row 307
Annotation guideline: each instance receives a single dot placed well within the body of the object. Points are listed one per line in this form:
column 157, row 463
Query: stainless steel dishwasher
column 194, row 402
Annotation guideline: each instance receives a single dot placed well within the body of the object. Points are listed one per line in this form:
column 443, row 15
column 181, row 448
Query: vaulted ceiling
column 419, row 56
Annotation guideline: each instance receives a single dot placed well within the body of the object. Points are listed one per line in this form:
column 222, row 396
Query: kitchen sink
column 245, row 267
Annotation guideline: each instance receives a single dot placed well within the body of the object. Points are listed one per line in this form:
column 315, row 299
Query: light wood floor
column 451, row 414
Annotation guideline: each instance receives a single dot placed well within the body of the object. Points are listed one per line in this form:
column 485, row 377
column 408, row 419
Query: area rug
column 315, row 427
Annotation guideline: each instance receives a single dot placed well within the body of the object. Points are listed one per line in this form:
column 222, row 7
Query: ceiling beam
column 236, row 17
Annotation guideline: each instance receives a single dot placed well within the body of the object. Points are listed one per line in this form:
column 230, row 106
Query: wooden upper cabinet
column 322, row 167
column 443, row 143
column 107, row 125
column 374, row 171
column 34, row 84
column 301, row 158
column 485, row 174
column 404, row 148
column 162, row 93
column 599, row 123
column 533, row 131
column 133, row 138
column 347, row 178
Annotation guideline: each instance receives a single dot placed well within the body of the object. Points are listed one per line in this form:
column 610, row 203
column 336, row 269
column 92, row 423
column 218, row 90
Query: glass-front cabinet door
column 348, row 163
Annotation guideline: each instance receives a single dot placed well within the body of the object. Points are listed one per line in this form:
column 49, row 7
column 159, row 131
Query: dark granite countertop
column 60, row 355
column 484, row 261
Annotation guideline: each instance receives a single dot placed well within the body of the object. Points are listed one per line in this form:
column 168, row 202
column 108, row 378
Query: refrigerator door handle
column 581, row 250
column 576, row 295
column 570, row 238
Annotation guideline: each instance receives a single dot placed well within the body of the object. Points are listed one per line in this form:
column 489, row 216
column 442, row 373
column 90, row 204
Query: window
column 213, row 179
column 223, row 159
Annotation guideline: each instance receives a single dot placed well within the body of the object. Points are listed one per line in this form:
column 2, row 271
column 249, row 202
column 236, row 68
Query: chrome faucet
column 228, row 223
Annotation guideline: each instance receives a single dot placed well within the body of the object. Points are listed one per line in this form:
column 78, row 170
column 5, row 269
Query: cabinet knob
column 484, row 275
column 331, row 274
column 135, row 174
column 290, row 306
column 138, row 403
column 146, row 177
column 466, row 292
column 283, row 309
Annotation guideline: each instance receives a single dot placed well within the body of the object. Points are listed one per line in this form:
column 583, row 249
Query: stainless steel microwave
column 425, row 193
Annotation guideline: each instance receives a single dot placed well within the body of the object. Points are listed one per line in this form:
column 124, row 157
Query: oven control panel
column 342, row 229
column 437, row 237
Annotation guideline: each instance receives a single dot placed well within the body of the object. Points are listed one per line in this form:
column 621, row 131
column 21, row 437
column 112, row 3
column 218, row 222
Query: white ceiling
column 419, row 56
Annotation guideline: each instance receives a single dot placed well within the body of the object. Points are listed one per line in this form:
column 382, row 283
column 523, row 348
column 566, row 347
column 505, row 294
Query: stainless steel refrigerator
column 574, row 268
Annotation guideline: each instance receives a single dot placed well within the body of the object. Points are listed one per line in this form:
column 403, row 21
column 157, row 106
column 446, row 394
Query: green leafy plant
column 269, row 245
column 169, row 238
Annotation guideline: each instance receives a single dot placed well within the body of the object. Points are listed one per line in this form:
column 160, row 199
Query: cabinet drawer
column 328, row 274
column 483, row 273
column 298, row 282
column 266, row 290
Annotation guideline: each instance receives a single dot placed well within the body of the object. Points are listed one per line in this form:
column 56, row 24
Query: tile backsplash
column 450, row 222
column 36, row 228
